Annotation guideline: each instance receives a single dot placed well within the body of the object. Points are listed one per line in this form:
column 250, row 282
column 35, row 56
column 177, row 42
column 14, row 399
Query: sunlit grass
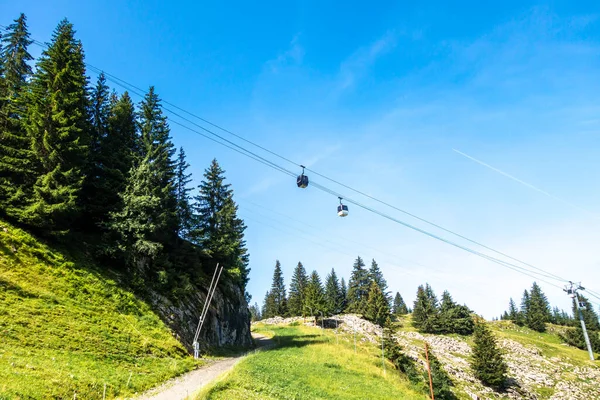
column 66, row 328
column 311, row 364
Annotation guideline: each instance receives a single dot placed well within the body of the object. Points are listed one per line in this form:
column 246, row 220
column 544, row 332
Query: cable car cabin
column 302, row 181
column 342, row 210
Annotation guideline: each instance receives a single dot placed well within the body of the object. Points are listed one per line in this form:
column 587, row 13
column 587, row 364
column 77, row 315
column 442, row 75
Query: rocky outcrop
column 227, row 321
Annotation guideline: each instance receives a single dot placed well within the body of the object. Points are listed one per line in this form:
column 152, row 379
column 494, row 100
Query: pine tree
column 513, row 313
column 315, row 297
column 333, row 303
column 486, row 360
column 376, row 275
column 269, row 307
column 343, row 295
column 16, row 157
column 97, row 188
column 58, row 122
column 216, row 226
column 297, row 291
column 358, row 288
column 378, row 308
column 182, row 195
column 278, row 292
column 455, row 318
column 158, row 148
column 399, row 305
column 120, row 149
column 523, row 315
column 425, row 316
column 538, row 311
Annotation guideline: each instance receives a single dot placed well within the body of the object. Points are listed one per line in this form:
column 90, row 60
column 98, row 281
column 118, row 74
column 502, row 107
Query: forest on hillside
column 80, row 162
column 367, row 294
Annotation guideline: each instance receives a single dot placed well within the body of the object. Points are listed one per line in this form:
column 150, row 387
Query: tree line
column 84, row 159
column 535, row 312
column 365, row 293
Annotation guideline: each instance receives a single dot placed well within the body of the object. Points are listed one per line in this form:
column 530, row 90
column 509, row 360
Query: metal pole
column 337, row 338
column 206, row 303
column 585, row 334
column 429, row 371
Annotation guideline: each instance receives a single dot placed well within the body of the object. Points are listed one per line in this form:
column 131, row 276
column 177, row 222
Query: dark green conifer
column 378, row 308
column 358, row 288
column 217, row 228
column 399, row 305
column 58, row 122
column 97, row 189
column 538, row 310
column 425, row 316
column 513, row 313
column 343, row 294
column 297, row 291
column 486, row 360
column 376, row 275
column 314, row 302
column 16, row 157
column 182, row 194
column 278, row 292
column 333, row 300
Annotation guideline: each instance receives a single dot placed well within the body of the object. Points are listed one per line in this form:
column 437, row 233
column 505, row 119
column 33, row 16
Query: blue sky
column 378, row 96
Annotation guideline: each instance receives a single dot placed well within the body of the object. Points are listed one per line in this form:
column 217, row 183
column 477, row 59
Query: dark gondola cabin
column 342, row 209
column 302, row 181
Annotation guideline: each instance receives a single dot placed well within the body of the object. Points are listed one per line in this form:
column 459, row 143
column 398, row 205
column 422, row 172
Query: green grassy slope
column 65, row 328
column 311, row 364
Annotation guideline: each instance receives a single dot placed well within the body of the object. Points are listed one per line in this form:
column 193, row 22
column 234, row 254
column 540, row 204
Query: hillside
column 66, row 327
column 311, row 364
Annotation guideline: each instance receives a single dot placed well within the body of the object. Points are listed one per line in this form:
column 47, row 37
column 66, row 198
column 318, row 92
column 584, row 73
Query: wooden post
column 429, row 371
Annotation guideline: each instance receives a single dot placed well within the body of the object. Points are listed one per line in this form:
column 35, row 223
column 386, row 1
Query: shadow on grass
column 18, row 290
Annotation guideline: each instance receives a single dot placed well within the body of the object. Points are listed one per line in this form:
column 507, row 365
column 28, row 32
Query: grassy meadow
column 67, row 328
column 311, row 364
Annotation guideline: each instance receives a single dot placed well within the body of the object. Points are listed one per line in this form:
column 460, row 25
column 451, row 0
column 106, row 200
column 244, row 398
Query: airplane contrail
column 529, row 185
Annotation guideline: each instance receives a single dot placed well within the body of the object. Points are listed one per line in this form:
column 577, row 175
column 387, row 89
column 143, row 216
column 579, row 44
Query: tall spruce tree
column 343, row 294
column 376, row 275
column 513, row 312
column 358, row 288
column 146, row 223
column 97, row 190
column 278, row 292
column 314, row 302
column 158, row 148
column 538, row 311
column 182, row 195
column 58, row 122
column 378, row 308
column 120, row 149
column 297, row 291
column 217, row 228
column 425, row 316
column 523, row 316
column 486, row 360
column 333, row 300
column 16, row 157
column 399, row 307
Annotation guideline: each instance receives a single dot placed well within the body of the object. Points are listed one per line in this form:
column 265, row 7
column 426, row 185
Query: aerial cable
column 267, row 162
column 121, row 83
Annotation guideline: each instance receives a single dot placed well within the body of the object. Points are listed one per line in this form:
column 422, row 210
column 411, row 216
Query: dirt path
column 185, row 385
